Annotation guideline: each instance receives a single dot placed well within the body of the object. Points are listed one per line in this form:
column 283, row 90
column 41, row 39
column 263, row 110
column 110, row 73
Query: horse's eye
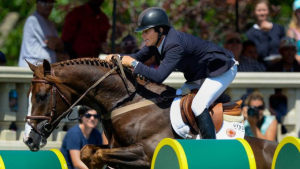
column 41, row 97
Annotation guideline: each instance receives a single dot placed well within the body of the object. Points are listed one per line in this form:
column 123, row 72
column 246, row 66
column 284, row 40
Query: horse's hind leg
column 125, row 157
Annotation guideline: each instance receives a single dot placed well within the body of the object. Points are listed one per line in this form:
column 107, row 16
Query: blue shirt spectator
column 79, row 136
column 75, row 140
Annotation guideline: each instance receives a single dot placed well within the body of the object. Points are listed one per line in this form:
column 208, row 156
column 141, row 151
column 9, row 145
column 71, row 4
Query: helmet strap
column 159, row 35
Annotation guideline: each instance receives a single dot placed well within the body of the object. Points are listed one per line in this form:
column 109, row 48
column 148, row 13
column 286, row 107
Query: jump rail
column 50, row 159
column 216, row 154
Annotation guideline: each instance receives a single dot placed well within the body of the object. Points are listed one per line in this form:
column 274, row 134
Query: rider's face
column 150, row 36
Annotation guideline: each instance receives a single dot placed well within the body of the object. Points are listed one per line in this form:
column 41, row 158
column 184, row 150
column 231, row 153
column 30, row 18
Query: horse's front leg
column 87, row 153
column 125, row 157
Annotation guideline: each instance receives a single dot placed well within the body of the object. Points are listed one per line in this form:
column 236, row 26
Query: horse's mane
column 82, row 61
column 39, row 72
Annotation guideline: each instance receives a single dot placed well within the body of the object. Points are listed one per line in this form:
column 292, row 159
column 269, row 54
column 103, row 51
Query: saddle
column 216, row 111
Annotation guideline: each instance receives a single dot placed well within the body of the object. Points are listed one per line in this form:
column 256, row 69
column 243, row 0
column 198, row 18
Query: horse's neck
column 79, row 78
column 111, row 91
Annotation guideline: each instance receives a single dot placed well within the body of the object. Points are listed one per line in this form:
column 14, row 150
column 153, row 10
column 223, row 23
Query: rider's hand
column 109, row 58
column 127, row 60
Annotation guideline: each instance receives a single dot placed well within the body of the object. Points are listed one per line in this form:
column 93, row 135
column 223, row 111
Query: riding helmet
column 152, row 17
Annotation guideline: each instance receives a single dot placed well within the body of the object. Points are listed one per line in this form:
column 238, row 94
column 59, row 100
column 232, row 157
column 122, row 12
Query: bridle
column 48, row 127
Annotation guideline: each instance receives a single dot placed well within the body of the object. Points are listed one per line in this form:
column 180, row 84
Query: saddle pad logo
column 230, row 132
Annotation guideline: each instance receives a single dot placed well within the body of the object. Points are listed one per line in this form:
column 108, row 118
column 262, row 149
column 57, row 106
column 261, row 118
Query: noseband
column 49, row 126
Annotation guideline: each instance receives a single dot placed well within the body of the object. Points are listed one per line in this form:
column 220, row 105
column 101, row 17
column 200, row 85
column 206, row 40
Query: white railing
column 16, row 78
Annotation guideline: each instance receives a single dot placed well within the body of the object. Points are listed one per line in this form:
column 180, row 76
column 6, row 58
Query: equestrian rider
column 202, row 62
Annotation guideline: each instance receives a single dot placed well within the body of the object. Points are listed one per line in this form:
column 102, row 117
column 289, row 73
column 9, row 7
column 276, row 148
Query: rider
column 202, row 62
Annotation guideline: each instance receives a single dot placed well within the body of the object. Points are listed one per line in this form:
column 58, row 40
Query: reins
column 123, row 76
column 48, row 126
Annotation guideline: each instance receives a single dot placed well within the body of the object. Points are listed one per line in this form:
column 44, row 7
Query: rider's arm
column 77, row 163
column 172, row 57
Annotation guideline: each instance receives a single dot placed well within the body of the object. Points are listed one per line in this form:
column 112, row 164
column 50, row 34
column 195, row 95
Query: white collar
column 255, row 26
column 160, row 46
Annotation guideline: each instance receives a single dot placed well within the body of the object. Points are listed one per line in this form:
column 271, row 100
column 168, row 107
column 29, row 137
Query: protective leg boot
column 206, row 125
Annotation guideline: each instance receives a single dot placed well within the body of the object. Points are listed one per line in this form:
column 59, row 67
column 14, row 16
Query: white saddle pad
column 229, row 130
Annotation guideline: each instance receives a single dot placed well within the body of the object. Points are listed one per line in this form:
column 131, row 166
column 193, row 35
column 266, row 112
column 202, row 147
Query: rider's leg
column 210, row 90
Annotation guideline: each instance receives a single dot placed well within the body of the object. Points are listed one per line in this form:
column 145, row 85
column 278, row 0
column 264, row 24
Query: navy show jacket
column 195, row 57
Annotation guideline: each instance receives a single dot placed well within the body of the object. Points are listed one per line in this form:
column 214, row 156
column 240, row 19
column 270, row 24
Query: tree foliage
column 208, row 19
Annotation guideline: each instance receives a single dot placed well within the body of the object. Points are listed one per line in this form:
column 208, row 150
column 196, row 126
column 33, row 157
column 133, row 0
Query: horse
column 133, row 135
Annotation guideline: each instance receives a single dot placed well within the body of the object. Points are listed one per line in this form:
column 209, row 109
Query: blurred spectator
column 245, row 96
column 13, row 126
column 233, row 42
column 13, row 100
column 85, row 30
column 40, row 38
column 129, row 45
column 265, row 34
column 288, row 62
column 294, row 27
column 278, row 107
column 249, row 50
column 256, row 124
column 80, row 135
column 2, row 59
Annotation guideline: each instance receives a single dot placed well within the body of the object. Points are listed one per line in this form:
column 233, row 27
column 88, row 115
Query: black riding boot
column 206, row 125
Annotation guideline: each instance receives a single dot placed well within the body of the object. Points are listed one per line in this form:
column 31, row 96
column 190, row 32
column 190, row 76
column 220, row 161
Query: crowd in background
column 268, row 47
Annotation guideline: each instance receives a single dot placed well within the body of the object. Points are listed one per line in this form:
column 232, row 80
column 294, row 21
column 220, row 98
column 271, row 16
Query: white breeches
column 211, row 89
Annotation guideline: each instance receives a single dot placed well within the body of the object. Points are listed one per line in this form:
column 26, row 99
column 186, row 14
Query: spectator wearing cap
column 40, row 38
column 80, row 135
column 288, row 63
column 85, row 30
column 2, row 59
column 294, row 27
column 265, row 34
column 233, row 42
column 129, row 45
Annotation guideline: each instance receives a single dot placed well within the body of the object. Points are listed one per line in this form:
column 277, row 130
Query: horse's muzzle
column 35, row 141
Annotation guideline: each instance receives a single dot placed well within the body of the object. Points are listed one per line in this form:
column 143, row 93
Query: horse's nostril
column 30, row 141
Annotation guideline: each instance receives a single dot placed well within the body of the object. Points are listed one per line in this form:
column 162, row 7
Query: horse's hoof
column 97, row 161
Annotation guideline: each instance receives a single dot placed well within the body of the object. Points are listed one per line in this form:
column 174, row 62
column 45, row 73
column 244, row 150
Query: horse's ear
column 47, row 67
column 31, row 66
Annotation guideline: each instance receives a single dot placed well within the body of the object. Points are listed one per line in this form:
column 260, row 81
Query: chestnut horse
column 132, row 135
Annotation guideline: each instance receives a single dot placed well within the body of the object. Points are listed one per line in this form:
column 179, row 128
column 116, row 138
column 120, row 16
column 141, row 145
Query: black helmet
column 152, row 17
